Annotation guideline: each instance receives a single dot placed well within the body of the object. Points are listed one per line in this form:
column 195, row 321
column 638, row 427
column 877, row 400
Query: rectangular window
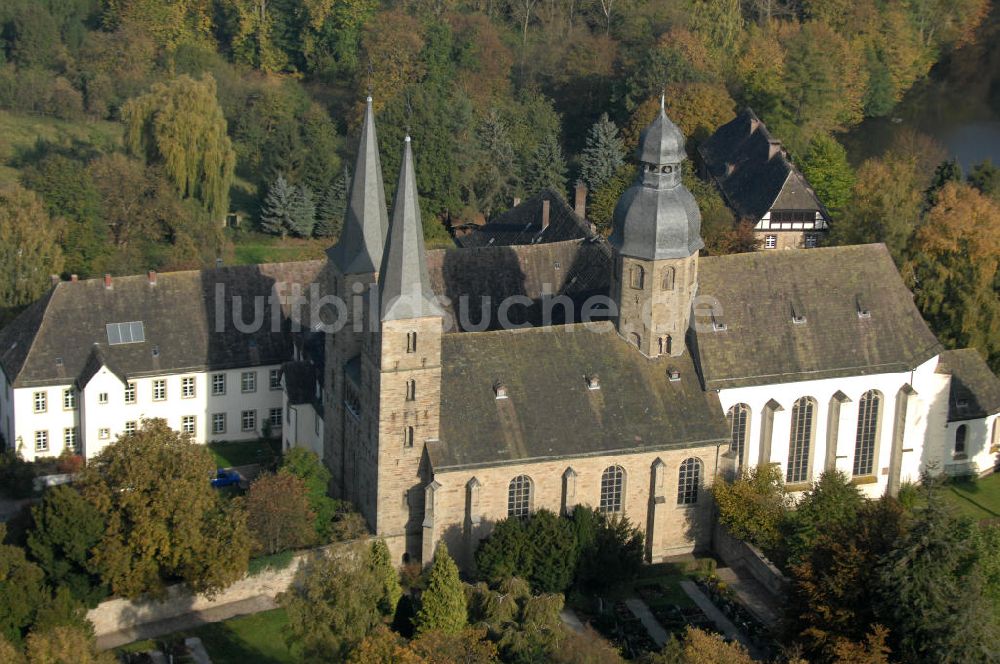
column 104, row 433
column 770, row 241
column 70, row 440
column 69, row 399
column 248, row 420
column 130, row 392
column 218, row 384
column 159, row 389
column 102, row 398
column 275, row 379
column 218, row 423
column 248, row 381
column 812, row 240
column 41, row 441
column 41, row 402
column 187, row 387
column 130, row 427
column 187, row 424
column 275, row 417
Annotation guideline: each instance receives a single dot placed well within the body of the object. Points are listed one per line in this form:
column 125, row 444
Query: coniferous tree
column 276, row 215
column 386, row 575
column 986, row 178
column 547, row 168
column 333, row 207
column 603, row 155
column 443, row 605
column 495, row 180
column 825, row 166
column 302, row 211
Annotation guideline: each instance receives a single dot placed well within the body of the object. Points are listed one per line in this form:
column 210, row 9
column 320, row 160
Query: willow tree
column 180, row 125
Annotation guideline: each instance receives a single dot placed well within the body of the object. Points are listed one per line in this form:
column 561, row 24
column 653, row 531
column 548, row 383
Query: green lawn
column 258, row 638
column 241, row 453
column 978, row 499
column 252, row 248
column 21, row 132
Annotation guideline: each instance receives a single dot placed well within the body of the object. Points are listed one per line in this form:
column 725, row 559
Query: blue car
column 226, row 477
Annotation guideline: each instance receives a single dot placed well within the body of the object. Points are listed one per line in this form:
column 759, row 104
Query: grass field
column 978, row 499
column 252, row 248
column 241, row 453
column 21, row 132
column 258, row 639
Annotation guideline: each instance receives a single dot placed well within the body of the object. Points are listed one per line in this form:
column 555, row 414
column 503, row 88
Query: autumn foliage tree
column 29, row 248
column 164, row 521
column 278, row 513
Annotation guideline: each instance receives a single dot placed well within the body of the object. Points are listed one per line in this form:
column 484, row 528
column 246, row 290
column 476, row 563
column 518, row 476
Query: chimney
column 151, row 275
column 517, row 201
column 73, row 278
column 580, row 203
column 107, row 281
column 545, row 214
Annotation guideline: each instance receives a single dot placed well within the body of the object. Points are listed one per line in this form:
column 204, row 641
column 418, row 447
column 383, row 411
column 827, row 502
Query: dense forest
column 162, row 116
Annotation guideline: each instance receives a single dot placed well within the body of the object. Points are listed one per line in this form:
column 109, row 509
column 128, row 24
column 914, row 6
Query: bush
column 68, row 463
column 17, row 476
column 753, row 507
column 277, row 561
column 614, row 555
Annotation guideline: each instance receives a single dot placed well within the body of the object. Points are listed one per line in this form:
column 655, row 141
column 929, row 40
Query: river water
column 958, row 104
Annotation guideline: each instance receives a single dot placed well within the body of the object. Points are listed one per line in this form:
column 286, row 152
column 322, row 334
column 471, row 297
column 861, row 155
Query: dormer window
column 673, row 375
column 593, row 382
column 500, row 390
column 862, row 310
column 798, row 314
column 667, row 169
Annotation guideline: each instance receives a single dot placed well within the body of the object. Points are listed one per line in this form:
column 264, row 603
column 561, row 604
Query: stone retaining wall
column 737, row 553
column 115, row 615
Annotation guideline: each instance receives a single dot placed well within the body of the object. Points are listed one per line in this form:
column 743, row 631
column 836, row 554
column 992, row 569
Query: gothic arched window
column 867, row 436
column 800, row 441
column 739, row 425
column 668, row 278
column 637, row 276
column 519, row 496
column 411, row 342
column 411, row 390
column 688, row 481
column 612, row 486
column 960, row 435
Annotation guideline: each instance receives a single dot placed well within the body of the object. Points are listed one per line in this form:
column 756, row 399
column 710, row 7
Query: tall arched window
column 408, row 437
column 635, row 339
column 688, row 481
column 637, row 276
column 665, row 345
column 411, row 342
column 668, row 278
column 800, row 441
column 612, row 486
column 868, row 429
column 411, row 390
column 960, row 435
column 519, row 496
column 739, row 424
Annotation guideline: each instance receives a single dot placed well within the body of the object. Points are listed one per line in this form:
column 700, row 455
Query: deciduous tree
column 22, row 590
column 753, row 506
column 306, row 465
column 163, row 519
column 29, row 247
column 65, row 645
column 180, row 125
column 825, row 167
column 278, row 513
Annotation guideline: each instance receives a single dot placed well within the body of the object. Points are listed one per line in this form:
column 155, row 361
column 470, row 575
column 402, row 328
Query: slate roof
column 300, row 382
column 404, row 287
column 637, row 407
column 758, row 293
column 578, row 269
column 522, row 224
column 975, row 389
column 752, row 170
column 359, row 249
column 61, row 338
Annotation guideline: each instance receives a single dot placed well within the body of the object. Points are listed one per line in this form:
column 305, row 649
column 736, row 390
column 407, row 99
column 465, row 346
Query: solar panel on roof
column 126, row 333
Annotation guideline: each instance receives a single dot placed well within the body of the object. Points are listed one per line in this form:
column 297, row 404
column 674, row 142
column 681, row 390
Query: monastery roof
column 975, row 389
column 753, row 171
column 550, row 411
column 62, row 337
column 300, row 382
column 522, row 224
column 856, row 317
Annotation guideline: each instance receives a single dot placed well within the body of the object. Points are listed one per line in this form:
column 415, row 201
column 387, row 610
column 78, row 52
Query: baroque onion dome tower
column 656, row 237
column 352, row 269
column 402, row 364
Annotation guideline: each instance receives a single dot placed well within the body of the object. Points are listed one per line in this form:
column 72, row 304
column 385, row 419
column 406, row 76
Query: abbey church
column 463, row 386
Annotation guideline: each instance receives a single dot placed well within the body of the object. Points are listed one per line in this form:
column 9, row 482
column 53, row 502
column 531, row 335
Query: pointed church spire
column 404, row 284
column 359, row 250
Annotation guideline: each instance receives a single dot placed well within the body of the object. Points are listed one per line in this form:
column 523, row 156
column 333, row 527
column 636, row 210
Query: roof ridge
column 567, row 327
